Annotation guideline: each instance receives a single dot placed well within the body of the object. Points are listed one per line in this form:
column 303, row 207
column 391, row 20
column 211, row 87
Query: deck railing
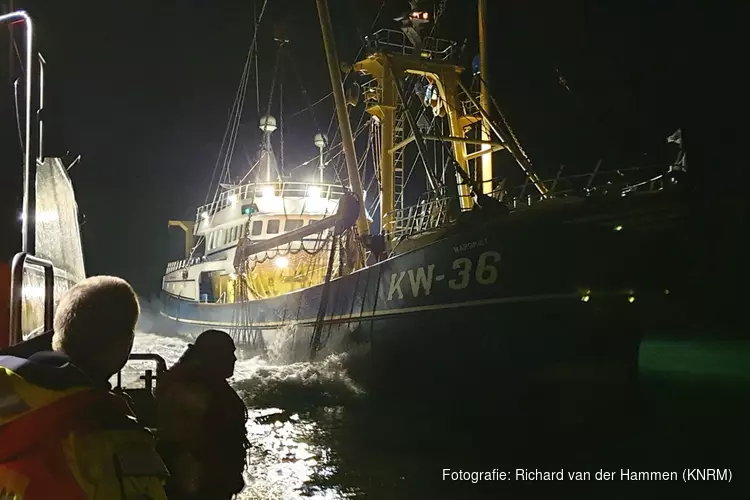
column 291, row 189
column 182, row 264
column 431, row 211
column 396, row 42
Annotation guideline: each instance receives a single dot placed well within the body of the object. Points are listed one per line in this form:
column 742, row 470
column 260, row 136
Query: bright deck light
column 42, row 216
column 313, row 192
column 281, row 262
column 268, row 191
column 233, row 199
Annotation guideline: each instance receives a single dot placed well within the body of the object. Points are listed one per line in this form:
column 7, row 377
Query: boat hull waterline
column 478, row 295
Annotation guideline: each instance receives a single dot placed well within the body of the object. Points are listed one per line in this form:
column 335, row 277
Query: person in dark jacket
column 202, row 421
column 63, row 433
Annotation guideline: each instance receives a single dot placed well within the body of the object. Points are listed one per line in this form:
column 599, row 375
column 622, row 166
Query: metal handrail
column 176, row 265
column 431, row 211
column 371, row 91
column 281, row 189
column 16, row 293
column 161, row 368
column 161, row 365
column 432, row 48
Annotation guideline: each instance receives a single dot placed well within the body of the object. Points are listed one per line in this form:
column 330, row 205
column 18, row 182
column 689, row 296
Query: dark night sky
column 142, row 90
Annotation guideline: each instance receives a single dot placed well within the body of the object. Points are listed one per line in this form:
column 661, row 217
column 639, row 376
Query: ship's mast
column 347, row 139
column 484, row 98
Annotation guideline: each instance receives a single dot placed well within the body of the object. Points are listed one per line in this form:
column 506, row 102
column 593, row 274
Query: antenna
column 321, row 141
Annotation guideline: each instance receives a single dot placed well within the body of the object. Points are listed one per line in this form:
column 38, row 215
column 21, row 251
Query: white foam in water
column 281, row 459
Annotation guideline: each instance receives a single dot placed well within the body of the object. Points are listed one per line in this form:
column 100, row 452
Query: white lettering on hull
column 422, row 279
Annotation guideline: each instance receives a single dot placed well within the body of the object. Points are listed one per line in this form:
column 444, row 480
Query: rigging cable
column 305, row 95
column 359, row 52
column 257, row 80
column 238, row 104
column 281, row 125
column 239, row 95
column 315, row 342
column 270, row 96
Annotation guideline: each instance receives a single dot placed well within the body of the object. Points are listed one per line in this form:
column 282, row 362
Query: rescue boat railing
column 16, row 293
column 148, row 377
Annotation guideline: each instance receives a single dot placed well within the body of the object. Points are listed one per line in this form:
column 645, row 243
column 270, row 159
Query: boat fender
column 348, row 211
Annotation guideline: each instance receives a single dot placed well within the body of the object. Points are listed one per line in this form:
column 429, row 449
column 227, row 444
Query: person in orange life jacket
column 202, row 435
column 63, row 434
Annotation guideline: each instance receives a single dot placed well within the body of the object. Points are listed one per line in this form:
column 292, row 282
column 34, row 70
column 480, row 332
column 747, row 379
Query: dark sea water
column 315, row 434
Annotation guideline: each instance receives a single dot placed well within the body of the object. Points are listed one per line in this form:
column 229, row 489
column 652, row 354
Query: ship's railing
column 396, row 42
column 182, row 264
column 286, row 189
column 371, row 92
column 467, row 107
column 426, row 215
column 623, row 181
column 431, row 211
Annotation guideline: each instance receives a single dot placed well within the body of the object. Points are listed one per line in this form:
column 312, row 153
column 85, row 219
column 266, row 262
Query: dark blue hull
column 506, row 298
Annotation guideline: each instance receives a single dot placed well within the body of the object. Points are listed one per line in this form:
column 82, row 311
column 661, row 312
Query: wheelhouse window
column 257, row 228
column 273, row 226
column 292, row 224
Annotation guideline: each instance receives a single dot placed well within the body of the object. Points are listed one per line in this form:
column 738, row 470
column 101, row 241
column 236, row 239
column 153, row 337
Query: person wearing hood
column 202, row 421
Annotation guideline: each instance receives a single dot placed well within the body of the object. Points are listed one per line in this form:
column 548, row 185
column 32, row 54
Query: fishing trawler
column 541, row 278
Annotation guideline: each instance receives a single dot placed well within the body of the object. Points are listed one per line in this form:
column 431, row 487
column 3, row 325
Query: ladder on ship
column 392, row 59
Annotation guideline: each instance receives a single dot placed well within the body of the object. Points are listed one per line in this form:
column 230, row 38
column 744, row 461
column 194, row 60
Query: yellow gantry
column 385, row 68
